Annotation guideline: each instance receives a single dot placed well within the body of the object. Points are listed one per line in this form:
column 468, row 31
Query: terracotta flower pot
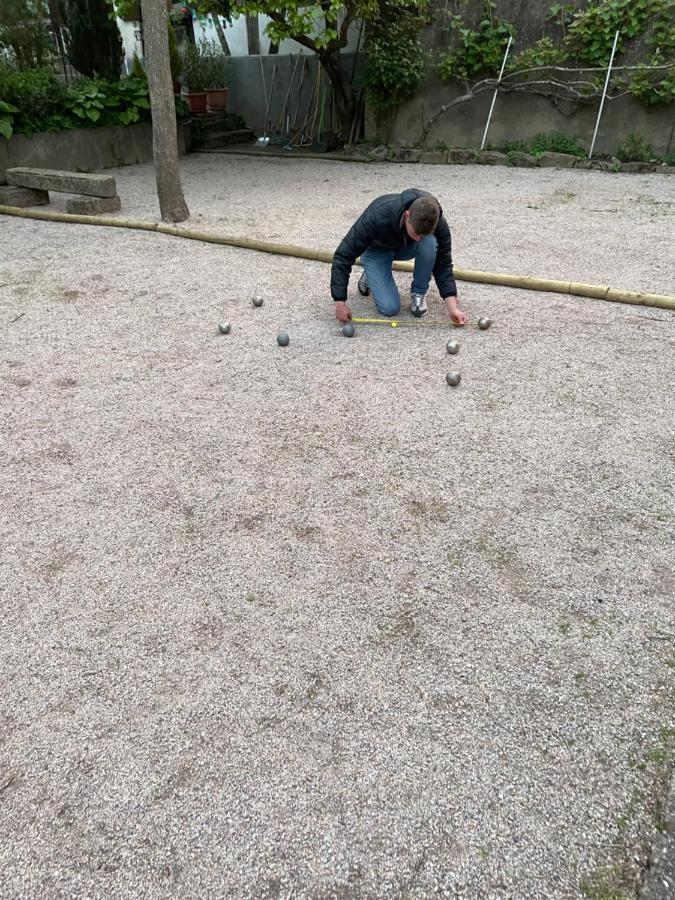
column 217, row 99
column 197, row 101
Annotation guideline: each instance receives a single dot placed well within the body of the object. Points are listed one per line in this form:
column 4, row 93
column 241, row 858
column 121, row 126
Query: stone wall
column 517, row 116
column 83, row 150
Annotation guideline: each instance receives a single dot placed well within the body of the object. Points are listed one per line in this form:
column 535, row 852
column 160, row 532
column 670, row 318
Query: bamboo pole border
column 526, row 282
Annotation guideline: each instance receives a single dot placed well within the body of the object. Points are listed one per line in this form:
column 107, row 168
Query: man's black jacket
column 380, row 227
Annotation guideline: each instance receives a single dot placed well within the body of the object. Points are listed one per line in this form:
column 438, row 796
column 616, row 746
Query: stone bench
column 97, row 193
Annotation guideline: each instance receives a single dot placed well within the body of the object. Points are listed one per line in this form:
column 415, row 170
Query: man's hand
column 454, row 311
column 342, row 312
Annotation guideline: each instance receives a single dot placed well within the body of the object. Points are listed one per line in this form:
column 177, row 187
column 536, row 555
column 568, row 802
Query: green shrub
column 634, row 148
column 396, row 59
column 41, row 103
column 214, row 66
column 195, row 69
column 542, row 53
column 38, row 98
column 545, row 142
column 7, row 111
column 479, row 51
column 669, row 159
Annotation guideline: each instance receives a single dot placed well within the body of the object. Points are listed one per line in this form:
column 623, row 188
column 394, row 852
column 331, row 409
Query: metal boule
column 257, row 301
column 348, row 330
column 224, row 327
column 452, row 347
column 453, row 378
column 484, row 323
column 283, row 339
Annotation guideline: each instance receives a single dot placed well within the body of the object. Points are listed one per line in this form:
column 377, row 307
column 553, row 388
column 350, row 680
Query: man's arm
column 443, row 272
column 355, row 242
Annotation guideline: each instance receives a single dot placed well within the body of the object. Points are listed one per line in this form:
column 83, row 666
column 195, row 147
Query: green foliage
column 195, row 68
column 93, row 41
column 654, row 87
column 214, row 66
column 541, row 53
column 396, row 59
column 669, row 159
column 127, row 10
column 561, row 14
column 479, row 51
column 23, row 36
column 634, row 148
column 41, row 103
column 38, row 98
column 7, row 111
column 544, row 142
column 590, row 35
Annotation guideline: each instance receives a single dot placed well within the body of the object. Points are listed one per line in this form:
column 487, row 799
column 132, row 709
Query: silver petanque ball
column 348, row 330
column 283, row 339
column 484, row 323
column 452, row 347
column 224, row 327
column 257, row 301
column 453, row 378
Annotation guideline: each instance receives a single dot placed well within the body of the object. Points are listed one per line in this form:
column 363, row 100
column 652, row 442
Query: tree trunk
column 253, row 35
column 172, row 205
column 344, row 95
column 221, row 34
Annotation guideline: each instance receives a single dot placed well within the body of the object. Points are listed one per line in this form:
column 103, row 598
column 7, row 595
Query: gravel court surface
column 307, row 621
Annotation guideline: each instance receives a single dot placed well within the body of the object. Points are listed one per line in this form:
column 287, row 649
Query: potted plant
column 216, row 77
column 194, row 77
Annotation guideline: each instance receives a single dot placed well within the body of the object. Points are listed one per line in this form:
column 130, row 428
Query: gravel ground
column 307, row 622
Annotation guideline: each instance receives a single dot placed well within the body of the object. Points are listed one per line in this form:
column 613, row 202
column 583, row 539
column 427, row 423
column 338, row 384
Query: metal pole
column 494, row 96
column 604, row 94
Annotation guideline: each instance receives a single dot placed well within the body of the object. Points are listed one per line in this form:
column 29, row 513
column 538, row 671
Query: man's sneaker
column 364, row 290
column 418, row 305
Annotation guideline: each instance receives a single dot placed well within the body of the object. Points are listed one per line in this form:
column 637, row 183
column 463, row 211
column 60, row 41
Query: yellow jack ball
column 394, row 324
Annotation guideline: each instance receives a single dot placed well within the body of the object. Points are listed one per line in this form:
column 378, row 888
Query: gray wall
column 247, row 96
column 519, row 116
column 83, row 150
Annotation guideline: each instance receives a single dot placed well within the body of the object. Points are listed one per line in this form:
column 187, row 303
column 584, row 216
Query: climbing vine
column 479, row 50
column 586, row 41
column 396, row 58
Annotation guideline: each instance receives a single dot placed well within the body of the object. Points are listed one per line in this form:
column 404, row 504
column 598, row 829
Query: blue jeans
column 377, row 264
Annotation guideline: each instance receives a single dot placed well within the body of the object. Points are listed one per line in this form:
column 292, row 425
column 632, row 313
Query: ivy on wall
column 396, row 58
column 587, row 40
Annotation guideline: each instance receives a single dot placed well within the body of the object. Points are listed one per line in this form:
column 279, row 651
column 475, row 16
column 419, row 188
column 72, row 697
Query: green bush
column 38, row 98
column 634, row 148
column 542, row 53
column 396, row 59
column 479, row 51
column 195, row 69
column 41, row 103
column 545, row 142
column 214, row 66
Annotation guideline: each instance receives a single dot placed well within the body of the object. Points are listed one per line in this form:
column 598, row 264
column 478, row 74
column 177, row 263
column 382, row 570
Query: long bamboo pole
column 526, row 282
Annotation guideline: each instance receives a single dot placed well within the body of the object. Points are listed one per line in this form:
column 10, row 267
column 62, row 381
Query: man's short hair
column 424, row 215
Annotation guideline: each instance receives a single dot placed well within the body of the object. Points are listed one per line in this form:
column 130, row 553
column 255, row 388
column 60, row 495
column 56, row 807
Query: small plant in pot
column 216, row 77
column 194, row 77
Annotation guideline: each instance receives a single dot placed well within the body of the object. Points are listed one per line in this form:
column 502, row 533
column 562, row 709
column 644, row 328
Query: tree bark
column 221, row 34
column 344, row 95
column 172, row 205
column 253, row 35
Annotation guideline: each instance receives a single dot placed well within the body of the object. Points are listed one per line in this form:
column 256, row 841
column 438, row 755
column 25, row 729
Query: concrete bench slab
column 22, row 197
column 64, row 182
column 89, row 206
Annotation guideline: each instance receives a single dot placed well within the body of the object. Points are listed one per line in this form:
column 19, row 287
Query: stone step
column 65, row 182
column 222, row 139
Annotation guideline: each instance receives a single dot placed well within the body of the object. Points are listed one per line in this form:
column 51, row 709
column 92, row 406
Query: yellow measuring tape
column 394, row 323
